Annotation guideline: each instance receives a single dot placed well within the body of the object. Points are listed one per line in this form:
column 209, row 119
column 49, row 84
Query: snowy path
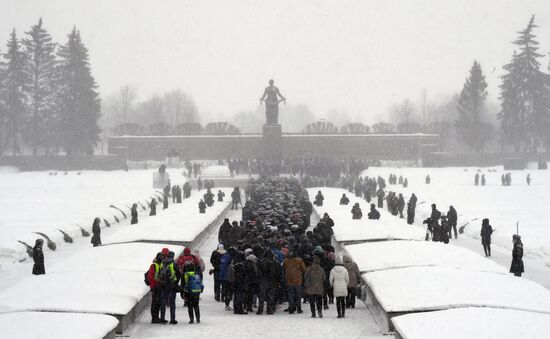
column 217, row 323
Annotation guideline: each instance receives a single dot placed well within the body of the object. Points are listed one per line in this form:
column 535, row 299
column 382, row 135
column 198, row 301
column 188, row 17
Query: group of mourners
column 271, row 257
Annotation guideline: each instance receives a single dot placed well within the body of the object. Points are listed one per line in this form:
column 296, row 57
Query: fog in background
column 344, row 61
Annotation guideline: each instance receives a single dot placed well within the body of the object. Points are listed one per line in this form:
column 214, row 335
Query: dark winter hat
column 516, row 237
column 187, row 251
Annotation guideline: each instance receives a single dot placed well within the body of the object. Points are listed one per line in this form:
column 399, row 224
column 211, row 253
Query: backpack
column 193, row 282
column 165, row 274
column 146, row 278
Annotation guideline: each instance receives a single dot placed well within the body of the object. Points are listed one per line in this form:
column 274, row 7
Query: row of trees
column 48, row 96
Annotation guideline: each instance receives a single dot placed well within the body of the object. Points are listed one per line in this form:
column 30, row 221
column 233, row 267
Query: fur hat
column 187, row 251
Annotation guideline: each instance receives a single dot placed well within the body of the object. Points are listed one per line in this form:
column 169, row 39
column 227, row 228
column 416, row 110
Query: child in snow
column 192, row 288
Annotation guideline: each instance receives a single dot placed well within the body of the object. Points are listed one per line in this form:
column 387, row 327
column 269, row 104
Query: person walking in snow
column 400, row 205
column 528, row 179
column 380, row 194
column 96, row 231
column 294, row 269
column 202, row 207
column 134, row 214
column 339, row 280
column 154, row 286
column 373, row 214
column 452, row 218
column 38, row 258
column 356, row 212
column 354, row 280
column 486, row 231
column 215, row 260
column 344, row 200
column 314, row 280
column 517, row 256
column 192, row 288
column 411, row 209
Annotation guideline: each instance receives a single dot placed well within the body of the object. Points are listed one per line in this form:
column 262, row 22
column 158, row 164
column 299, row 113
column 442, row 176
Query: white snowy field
column 503, row 205
column 383, row 255
column 48, row 325
column 437, row 288
column 181, row 222
column 486, row 323
column 347, row 229
column 39, row 202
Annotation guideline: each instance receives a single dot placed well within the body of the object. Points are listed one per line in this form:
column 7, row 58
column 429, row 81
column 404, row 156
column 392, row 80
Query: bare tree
column 179, row 108
column 124, row 103
column 403, row 112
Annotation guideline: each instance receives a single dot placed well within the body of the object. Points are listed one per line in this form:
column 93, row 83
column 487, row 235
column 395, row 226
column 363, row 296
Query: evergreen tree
column 13, row 82
column 525, row 108
column 42, row 128
column 473, row 131
column 78, row 103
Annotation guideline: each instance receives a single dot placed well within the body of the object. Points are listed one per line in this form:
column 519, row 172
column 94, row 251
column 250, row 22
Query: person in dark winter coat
column 169, row 276
column 452, row 218
column 235, row 198
column 483, row 181
column 208, row 197
column 269, row 272
column 187, row 190
column 314, row 281
column 428, row 179
column 319, row 199
column 444, row 236
column 220, row 195
column 411, row 209
column 202, row 206
column 476, row 179
column 354, row 280
column 192, row 287
column 225, row 234
column 252, row 279
column 225, row 278
column 134, row 214
column 154, row 285
column 96, row 231
column 373, row 214
column 215, row 260
column 356, row 212
column 153, row 207
column 400, row 205
column 380, row 194
column 239, row 283
column 486, row 231
column 38, row 258
column 517, row 256
column 344, row 200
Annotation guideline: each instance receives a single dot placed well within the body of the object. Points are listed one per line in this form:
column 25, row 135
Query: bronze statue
column 272, row 97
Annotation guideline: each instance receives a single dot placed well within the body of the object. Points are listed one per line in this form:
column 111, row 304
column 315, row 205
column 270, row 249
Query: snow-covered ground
column 383, row 255
column 181, row 222
column 347, row 229
column 503, row 205
column 41, row 202
column 48, row 325
column 437, row 288
column 486, row 323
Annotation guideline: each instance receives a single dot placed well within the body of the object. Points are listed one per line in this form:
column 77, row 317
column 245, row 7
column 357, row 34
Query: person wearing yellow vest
column 169, row 276
column 192, row 288
column 154, row 285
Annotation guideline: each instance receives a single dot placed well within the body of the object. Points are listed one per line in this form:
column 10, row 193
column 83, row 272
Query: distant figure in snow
column 202, row 206
column 483, row 181
column 428, row 179
column 373, row 214
column 517, row 256
column 400, row 205
column 528, row 179
column 199, row 184
column 220, row 195
column 134, row 214
column 38, row 258
column 452, row 217
column 319, row 199
column 96, row 231
column 153, row 207
column 411, row 209
column 380, row 194
column 164, row 201
column 356, row 211
column 476, row 179
column 344, row 200
column 486, row 231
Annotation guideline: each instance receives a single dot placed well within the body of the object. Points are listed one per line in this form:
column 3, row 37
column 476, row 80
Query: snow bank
column 121, row 257
column 44, row 202
column 376, row 256
column 50, row 325
column 105, row 279
column 181, row 222
column 437, row 288
column 347, row 229
column 487, row 323
column 215, row 172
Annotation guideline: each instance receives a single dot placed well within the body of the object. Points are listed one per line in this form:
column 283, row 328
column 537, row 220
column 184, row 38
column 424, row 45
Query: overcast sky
column 356, row 56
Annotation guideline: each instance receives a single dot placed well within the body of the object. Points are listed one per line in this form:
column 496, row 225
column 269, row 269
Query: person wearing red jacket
column 154, row 285
column 187, row 256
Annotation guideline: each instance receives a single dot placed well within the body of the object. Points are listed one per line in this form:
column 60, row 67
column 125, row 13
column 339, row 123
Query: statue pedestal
column 272, row 142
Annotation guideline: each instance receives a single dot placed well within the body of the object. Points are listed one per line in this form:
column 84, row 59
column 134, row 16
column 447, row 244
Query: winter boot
column 320, row 313
column 300, row 310
column 191, row 315
column 260, row 310
column 198, row 314
column 291, row 310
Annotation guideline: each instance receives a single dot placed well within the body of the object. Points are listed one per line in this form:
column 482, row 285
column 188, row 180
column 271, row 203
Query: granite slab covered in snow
column 181, row 222
column 346, row 229
column 438, row 288
column 486, row 323
column 119, row 257
column 382, row 255
column 52, row 325
column 82, row 291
